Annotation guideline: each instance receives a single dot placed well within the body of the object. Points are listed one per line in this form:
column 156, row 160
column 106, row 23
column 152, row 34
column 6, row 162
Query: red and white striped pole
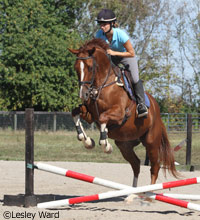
column 182, row 196
column 126, row 190
column 180, row 145
column 112, row 194
column 173, row 201
column 79, row 176
column 108, row 183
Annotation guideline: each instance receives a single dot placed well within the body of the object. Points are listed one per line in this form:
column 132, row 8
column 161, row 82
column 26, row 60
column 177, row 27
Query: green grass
column 64, row 146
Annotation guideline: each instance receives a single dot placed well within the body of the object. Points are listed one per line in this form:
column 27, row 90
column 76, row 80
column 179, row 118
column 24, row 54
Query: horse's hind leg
column 153, row 153
column 152, row 143
column 159, row 151
column 128, row 153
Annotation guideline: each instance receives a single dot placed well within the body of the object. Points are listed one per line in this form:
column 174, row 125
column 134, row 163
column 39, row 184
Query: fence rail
column 55, row 121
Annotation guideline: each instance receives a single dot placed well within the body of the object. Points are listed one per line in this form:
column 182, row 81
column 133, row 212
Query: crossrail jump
column 122, row 189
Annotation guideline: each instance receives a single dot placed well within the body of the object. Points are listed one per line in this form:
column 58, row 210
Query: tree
column 188, row 37
column 36, row 69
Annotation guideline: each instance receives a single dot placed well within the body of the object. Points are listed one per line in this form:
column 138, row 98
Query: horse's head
column 91, row 64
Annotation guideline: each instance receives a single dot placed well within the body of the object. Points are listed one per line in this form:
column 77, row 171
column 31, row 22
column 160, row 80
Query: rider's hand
column 111, row 52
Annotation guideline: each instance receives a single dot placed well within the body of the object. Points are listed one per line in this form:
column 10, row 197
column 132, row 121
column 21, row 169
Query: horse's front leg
column 103, row 142
column 116, row 115
column 81, row 135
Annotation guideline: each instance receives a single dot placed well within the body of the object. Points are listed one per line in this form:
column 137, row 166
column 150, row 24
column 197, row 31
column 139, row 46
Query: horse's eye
column 90, row 69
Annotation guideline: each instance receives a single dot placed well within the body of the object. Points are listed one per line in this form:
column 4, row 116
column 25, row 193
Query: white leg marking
column 82, row 77
column 77, row 122
column 103, row 127
column 87, row 141
column 131, row 197
column 106, row 146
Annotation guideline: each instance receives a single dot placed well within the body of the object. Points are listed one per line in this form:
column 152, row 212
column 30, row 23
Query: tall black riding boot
column 141, row 109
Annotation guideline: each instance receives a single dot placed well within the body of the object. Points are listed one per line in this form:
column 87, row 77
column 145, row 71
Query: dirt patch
column 13, row 178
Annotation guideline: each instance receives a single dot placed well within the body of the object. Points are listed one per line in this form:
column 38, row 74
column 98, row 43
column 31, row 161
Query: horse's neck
column 105, row 68
column 105, row 75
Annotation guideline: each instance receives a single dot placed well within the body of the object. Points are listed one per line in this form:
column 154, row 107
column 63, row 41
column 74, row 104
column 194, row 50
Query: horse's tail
column 167, row 154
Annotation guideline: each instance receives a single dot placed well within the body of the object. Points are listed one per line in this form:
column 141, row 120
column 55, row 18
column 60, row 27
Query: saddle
column 123, row 73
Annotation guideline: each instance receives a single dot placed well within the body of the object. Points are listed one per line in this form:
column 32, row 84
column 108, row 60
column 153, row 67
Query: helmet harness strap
column 111, row 26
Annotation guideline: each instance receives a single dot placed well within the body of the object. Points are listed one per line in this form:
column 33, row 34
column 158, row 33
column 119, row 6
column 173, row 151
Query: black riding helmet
column 106, row 16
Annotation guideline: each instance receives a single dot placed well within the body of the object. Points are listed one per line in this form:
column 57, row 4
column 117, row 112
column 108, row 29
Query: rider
column 121, row 51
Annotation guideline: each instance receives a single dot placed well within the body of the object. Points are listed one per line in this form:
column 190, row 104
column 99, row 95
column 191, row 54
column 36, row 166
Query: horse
column 114, row 113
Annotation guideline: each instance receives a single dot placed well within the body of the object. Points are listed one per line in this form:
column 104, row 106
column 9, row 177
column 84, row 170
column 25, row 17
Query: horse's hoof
column 89, row 143
column 129, row 199
column 107, row 149
column 148, row 199
column 80, row 137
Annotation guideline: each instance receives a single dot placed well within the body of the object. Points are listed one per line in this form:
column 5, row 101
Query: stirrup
column 144, row 113
column 118, row 81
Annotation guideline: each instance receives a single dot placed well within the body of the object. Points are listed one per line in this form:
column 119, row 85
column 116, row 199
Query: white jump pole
column 182, row 196
column 112, row 194
column 72, row 174
column 101, row 182
column 173, row 201
column 180, row 145
column 79, row 176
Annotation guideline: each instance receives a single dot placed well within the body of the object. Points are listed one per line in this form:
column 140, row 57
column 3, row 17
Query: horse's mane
column 95, row 42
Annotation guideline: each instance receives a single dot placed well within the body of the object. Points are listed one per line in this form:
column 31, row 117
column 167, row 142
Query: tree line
column 36, row 69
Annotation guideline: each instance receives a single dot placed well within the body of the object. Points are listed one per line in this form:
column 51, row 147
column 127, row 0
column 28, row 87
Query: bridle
column 94, row 92
column 93, row 70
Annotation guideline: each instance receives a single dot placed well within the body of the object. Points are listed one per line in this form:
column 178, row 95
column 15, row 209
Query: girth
column 126, row 117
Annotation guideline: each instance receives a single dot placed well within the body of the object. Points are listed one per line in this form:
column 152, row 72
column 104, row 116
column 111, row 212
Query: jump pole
column 180, row 145
column 101, row 182
column 182, row 196
column 173, row 201
column 125, row 190
column 79, row 176
column 112, row 194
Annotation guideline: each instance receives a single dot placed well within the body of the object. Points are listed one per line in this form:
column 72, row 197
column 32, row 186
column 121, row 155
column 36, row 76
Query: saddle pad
column 129, row 90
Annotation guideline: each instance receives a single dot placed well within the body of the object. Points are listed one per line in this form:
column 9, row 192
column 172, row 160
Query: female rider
column 121, row 51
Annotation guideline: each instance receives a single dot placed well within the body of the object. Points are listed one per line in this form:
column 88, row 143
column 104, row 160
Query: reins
column 90, row 83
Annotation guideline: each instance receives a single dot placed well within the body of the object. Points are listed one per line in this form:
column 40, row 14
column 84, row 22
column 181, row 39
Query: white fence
column 55, row 121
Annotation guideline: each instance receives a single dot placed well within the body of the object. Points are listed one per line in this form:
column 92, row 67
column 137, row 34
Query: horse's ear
column 91, row 51
column 73, row 51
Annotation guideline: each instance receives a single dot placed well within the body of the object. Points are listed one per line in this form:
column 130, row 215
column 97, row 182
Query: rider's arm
column 128, row 53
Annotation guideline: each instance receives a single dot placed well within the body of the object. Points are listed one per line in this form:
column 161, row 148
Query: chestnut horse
column 110, row 107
